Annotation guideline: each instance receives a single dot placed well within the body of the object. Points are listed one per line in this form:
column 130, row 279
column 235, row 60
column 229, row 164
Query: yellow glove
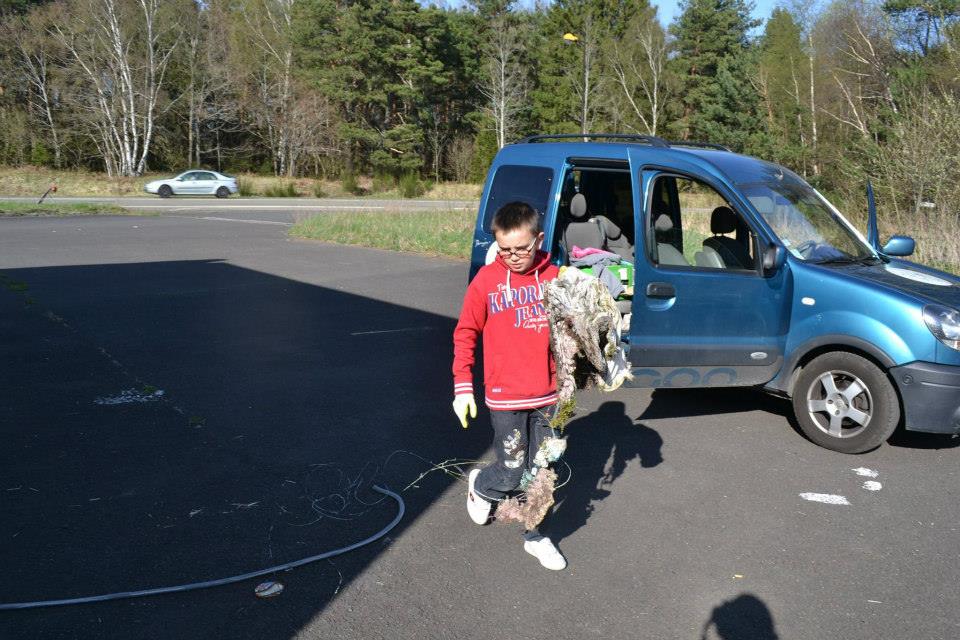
column 464, row 403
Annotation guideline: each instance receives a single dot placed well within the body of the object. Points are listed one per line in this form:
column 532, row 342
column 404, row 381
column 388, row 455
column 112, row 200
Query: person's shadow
column 599, row 446
column 745, row 617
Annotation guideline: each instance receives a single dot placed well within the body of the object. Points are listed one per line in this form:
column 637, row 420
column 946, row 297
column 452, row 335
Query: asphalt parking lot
column 186, row 398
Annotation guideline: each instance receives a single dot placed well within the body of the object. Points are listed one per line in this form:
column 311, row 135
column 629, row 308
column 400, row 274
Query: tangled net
column 585, row 340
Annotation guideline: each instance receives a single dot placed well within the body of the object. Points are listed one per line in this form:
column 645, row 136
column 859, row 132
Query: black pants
column 516, row 438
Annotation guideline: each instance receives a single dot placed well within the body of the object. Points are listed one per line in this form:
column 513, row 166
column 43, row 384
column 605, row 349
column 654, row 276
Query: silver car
column 194, row 182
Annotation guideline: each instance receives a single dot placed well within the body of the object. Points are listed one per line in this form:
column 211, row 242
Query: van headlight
column 944, row 323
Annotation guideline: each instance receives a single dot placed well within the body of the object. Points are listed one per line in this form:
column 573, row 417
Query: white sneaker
column 544, row 551
column 477, row 507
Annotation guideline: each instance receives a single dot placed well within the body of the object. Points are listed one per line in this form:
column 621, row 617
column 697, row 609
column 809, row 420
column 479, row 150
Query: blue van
column 741, row 274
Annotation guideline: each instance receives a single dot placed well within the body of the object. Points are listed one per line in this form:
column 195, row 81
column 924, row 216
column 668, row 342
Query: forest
column 841, row 91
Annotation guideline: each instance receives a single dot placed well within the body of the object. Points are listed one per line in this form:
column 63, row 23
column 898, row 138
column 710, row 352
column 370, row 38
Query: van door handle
column 661, row 290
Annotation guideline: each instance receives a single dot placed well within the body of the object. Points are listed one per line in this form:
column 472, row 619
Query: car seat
column 720, row 251
column 590, row 231
column 667, row 253
column 598, row 232
column 583, row 230
column 614, row 238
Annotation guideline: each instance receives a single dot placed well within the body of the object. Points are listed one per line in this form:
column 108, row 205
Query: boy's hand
column 464, row 403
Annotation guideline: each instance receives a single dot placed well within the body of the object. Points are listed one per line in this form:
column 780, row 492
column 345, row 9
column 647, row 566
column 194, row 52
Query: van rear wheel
column 844, row 402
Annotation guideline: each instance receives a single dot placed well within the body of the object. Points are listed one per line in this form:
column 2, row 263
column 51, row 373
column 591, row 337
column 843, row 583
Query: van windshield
column 805, row 222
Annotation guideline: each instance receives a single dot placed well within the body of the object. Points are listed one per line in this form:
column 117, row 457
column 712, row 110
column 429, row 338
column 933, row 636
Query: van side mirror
column 899, row 246
column 773, row 258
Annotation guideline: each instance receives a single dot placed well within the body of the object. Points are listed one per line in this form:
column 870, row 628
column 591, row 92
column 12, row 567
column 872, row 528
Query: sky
column 666, row 10
column 669, row 10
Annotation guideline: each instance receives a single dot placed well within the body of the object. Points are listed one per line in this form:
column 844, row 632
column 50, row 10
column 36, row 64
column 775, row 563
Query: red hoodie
column 507, row 307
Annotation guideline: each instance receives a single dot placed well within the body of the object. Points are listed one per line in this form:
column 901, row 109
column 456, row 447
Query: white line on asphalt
column 367, row 333
column 825, row 498
column 215, row 219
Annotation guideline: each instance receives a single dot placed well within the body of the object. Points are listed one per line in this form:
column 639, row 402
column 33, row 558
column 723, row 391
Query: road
column 282, row 210
column 187, row 399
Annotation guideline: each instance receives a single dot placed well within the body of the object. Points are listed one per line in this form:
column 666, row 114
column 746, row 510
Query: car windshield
column 804, row 221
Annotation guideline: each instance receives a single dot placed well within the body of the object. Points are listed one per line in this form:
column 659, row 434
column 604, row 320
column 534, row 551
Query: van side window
column 518, row 183
column 691, row 225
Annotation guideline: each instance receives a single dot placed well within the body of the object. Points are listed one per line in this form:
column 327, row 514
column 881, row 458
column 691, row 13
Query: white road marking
column 867, row 473
column 871, row 485
column 825, row 498
column 216, row 219
column 367, row 333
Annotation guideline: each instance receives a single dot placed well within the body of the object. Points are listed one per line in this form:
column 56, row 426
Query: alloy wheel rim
column 840, row 404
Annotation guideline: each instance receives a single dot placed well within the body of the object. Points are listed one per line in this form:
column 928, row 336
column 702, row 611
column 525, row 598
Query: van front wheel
column 844, row 402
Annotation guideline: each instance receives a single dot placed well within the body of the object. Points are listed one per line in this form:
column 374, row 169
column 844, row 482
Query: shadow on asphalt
column 745, row 617
column 915, row 440
column 164, row 423
column 599, row 447
column 688, row 403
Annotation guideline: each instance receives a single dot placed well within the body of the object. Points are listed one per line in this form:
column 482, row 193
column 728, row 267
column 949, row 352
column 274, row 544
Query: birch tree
column 37, row 60
column 805, row 13
column 861, row 59
column 122, row 50
column 638, row 62
column 210, row 103
column 504, row 83
column 269, row 26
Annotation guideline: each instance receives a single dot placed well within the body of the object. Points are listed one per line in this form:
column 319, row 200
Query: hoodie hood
column 541, row 261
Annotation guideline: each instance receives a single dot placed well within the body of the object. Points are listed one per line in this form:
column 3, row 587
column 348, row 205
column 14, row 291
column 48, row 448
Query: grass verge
column 33, row 181
column 435, row 233
column 8, row 208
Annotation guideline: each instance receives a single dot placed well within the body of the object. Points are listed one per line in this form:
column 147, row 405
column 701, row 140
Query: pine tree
column 780, row 81
column 572, row 73
column 379, row 60
column 712, row 35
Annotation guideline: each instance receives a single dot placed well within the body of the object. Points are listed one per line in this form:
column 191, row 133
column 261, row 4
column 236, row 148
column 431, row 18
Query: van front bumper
column 931, row 396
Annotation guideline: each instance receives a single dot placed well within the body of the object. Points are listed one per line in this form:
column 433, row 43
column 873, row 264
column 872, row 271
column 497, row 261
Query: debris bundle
column 585, row 340
column 584, row 334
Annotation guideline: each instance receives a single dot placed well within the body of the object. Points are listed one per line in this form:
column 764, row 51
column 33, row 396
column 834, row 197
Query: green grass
column 281, row 190
column 436, row 233
column 8, row 208
column 245, row 187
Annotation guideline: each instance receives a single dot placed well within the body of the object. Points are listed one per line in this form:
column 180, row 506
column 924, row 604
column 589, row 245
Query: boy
column 504, row 304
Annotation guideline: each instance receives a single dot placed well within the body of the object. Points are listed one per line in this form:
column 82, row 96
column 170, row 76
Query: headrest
column 578, row 207
column 723, row 220
column 663, row 223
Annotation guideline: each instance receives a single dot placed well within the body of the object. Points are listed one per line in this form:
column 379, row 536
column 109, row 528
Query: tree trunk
column 813, row 109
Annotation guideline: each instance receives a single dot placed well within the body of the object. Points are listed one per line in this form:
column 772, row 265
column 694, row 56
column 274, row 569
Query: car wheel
column 223, row 192
column 164, row 191
column 846, row 403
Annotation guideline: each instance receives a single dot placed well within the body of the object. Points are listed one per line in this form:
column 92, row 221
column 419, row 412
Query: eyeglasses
column 522, row 252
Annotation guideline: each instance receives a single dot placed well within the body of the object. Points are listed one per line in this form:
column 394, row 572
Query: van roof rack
column 630, row 137
column 693, row 143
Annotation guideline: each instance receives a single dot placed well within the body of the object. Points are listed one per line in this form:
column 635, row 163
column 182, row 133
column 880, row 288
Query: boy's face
column 518, row 248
